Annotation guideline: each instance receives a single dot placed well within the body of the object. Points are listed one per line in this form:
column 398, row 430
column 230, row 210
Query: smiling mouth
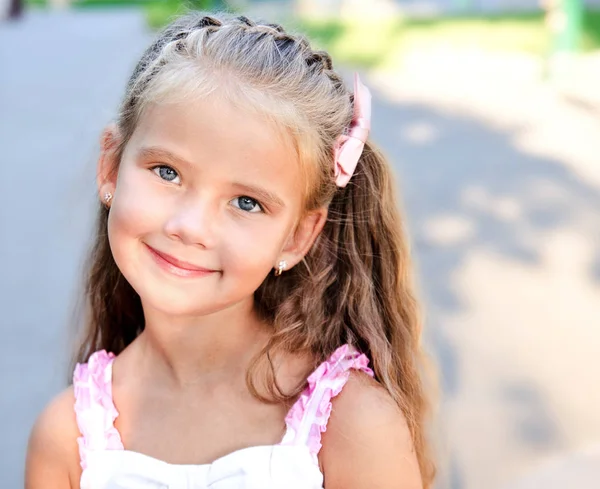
column 177, row 267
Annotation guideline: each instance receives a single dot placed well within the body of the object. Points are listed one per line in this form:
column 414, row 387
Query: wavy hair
column 355, row 284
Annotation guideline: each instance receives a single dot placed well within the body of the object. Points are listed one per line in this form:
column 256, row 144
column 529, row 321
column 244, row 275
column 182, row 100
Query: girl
column 238, row 150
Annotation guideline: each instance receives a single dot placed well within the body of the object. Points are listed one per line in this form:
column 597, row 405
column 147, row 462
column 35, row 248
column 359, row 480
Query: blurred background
column 490, row 113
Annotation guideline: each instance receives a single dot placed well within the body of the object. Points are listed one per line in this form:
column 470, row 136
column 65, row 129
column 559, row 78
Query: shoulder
column 368, row 443
column 52, row 452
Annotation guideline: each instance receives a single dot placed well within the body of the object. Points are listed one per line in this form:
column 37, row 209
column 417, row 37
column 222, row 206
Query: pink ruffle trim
column 96, row 412
column 94, row 407
column 332, row 375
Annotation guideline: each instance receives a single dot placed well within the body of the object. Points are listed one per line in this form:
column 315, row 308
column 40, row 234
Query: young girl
column 251, row 319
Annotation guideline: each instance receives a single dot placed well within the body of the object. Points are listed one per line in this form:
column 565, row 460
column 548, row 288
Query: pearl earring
column 280, row 268
column 107, row 197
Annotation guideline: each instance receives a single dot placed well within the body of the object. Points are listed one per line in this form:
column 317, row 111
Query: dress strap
column 309, row 415
column 94, row 407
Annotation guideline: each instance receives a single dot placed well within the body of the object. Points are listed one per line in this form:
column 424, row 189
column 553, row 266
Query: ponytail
column 355, row 286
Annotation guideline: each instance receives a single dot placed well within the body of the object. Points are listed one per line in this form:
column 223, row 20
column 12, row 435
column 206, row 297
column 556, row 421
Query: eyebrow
column 153, row 152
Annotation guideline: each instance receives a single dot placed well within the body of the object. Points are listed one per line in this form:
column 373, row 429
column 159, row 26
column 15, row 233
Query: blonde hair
column 355, row 284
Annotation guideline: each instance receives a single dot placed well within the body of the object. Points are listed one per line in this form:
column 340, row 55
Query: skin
column 183, row 188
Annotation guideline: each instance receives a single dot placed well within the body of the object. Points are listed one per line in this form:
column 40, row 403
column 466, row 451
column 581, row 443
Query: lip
column 177, row 267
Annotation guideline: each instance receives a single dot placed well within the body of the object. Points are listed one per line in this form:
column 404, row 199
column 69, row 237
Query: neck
column 186, row 351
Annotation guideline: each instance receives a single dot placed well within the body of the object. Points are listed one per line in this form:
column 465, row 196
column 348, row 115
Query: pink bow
column 349, row 147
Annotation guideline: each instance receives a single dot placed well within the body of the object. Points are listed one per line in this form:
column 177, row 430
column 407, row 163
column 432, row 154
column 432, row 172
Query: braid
column 319, row 60
column 287, row 43
column 208, row 21
column 246, row 21
column 325, row 64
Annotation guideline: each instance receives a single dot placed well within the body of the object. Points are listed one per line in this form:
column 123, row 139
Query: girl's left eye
column 166, row 173
column 247, row 204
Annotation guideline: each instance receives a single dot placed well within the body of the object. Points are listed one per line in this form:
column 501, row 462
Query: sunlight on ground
column 516, row 234
column 508, row 93
column 419, row 132
column 447, row 230
column 528, row 355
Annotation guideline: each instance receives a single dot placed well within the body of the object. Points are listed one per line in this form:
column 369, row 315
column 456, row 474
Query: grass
column 159, row 13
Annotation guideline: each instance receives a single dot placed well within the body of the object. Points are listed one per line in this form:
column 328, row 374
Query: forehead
column 223, row 141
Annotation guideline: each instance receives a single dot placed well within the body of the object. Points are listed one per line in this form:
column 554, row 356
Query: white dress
column 291, row 464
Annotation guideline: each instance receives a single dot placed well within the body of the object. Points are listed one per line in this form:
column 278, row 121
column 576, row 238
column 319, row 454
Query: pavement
column 499, row 177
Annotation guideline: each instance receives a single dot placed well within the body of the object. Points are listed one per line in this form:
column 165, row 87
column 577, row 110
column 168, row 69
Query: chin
column 172, row 301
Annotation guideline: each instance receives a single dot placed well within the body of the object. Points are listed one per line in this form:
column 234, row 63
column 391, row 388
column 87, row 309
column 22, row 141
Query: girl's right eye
column 166, row 173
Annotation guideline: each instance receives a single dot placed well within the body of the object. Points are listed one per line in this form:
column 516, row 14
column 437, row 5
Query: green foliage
column 591, row 31
column 159, row 14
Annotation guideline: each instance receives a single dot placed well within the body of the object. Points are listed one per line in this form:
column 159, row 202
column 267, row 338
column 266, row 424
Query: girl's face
column 207, row 200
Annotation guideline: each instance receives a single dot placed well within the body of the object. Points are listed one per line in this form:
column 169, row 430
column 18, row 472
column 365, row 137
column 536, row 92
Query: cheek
column 253, row 247
column 135, row 210
column 133, row 215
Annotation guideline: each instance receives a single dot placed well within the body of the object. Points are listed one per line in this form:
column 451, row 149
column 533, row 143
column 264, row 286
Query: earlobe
column 304, row 236
column 281, row 267
column 106, row 175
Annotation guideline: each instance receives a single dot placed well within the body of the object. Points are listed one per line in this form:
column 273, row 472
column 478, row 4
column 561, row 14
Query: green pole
column 568, row 34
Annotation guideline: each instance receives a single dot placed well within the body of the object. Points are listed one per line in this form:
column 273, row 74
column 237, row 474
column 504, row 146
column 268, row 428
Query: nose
column 193, row 222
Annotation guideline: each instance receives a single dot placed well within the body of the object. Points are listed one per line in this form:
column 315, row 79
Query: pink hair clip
column 349, row 147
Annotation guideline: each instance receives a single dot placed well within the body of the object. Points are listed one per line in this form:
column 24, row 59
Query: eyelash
column 157, row 173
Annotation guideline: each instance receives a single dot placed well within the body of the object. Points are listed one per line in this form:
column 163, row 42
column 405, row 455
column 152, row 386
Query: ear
column 303, row 237
column 106, row 171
